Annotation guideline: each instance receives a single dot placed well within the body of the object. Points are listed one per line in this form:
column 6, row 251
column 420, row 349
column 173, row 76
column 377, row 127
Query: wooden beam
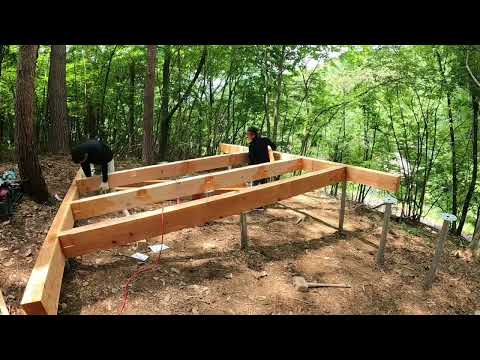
column 355, row 174
column 43, row 288
column 3, row 305
column 162, row 171
column 236, row 149
column 374, row 178
column 127, row 199
column 115, row 232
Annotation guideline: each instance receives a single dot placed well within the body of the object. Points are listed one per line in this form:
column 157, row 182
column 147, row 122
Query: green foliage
column 382, row 107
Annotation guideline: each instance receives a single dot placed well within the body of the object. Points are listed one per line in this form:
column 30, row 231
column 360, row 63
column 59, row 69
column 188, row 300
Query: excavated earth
column 206, row 272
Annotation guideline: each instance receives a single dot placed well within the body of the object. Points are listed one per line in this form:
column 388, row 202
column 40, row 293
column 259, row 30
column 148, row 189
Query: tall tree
column 165, row 114
column 28, row 164
column 131, row 105
column 473, row 180
column 148, row 101
column 57, row 100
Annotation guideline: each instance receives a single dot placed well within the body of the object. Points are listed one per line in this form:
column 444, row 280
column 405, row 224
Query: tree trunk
column 276, row 116
column 101, row 117
column 28, row 164
column 452, row 143
column 57, row 100
column 131, row 106
column 148, row 105
column 164, row 119
column 165, row 114
column 471, row 188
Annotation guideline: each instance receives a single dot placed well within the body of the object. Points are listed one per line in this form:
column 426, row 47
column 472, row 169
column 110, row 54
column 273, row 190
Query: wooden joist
column 127, row 199
column 378, row 179
column 111, row 233
column 43, row 288
column 167, row 170
column 236, row 149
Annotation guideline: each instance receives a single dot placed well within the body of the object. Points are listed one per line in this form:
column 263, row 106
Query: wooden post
column 475, row 244
column 243, row 231
column 447, row 219
column 342, row 206
column 243, row 227
column 389, row 201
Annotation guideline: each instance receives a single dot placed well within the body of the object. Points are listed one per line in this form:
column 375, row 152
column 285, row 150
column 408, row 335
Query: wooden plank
column 162, row 171
column 3, row 305
column 115, row 232
column 358, row 175
column 127, row 199
column 235, row 149
column 374, row 178
column 355, row 174
column 43, row 288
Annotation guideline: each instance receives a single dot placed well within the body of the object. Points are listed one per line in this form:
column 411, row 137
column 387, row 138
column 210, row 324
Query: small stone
column 229, row 276
column 261, row 274
column 8, row 263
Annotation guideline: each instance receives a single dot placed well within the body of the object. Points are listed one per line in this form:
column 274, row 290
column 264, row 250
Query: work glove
column 104, row 188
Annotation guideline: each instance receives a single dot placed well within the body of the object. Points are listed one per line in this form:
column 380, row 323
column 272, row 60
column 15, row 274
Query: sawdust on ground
column 205, row 272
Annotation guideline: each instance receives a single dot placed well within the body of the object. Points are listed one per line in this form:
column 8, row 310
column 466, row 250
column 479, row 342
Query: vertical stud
column 243, row 231
column 342, row 206
column 447, row 219
column 389, row 201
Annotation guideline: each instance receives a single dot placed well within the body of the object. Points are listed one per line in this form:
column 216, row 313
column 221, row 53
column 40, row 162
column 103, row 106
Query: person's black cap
column 253, row 129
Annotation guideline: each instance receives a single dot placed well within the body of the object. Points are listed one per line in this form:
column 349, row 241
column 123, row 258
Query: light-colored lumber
column 243, row 231
column 115, row 232
column 127, row 199
column 235, row 149
column 3, row 305
column 43, row 288
column 162, row 171
column 438, row 255
column 225, row 190
column 378, row 179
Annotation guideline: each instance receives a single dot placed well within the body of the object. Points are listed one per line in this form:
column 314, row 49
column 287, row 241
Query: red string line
column 139, row 272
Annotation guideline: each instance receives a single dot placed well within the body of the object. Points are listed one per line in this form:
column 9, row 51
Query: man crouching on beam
column 95, row 152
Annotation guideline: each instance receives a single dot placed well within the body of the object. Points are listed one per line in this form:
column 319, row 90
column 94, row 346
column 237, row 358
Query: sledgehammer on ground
column 302, row 285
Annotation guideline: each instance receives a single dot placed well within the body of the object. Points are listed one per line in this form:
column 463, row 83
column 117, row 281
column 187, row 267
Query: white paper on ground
column 158, row 247
column 140, row 256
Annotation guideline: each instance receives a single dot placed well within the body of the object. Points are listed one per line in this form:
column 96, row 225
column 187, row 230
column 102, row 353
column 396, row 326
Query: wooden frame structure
column 157, row 183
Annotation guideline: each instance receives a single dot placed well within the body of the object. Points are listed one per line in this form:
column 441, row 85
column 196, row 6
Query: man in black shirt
column 97, row 153
column 258, row 150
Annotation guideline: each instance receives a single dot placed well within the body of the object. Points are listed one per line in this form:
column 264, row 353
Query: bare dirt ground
column 205, row 272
